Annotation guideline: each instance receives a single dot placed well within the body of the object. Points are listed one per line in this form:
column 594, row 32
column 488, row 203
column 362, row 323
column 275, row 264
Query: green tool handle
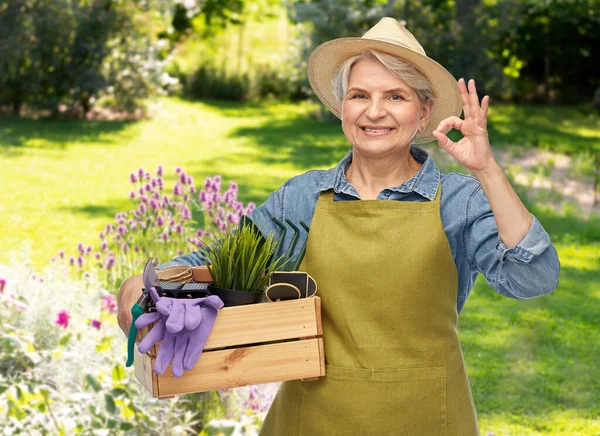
column 136, row 311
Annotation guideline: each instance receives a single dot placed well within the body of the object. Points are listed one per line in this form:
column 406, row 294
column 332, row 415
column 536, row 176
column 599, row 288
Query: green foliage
column 72, row 53
column 241, row 259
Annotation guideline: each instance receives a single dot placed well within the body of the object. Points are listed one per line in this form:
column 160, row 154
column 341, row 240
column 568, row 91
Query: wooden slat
column 143, row 372
column 265, row 322
column 247, row 366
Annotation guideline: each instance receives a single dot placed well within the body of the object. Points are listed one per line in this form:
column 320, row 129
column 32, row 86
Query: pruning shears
column 150, row 279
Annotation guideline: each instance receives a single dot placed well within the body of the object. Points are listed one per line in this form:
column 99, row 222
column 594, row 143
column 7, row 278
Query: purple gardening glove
column 184, row 326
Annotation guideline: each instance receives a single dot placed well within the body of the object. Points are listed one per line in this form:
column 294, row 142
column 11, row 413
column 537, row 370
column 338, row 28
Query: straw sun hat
column 391, row 37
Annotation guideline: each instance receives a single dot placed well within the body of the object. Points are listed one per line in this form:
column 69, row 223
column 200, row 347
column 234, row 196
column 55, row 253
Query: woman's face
column 380, row 113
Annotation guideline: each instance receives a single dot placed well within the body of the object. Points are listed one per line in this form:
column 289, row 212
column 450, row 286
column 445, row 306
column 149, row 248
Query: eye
column 397, row 97
column 359, row 96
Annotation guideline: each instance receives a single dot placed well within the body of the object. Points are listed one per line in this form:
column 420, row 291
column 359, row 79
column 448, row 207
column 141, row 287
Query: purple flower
column 142, row 208
column 124, row 247
column 147, row 187
column 165, row 236
column 71, row 261
column 178, row 229
column 207, row 182
column 53, row 260
column 62, row 319
column 132, row 178
column 132, row 194
column 61, row 254
column 80, row 261
column 80, row 247
column 103, row 246
column 202, row 197
column 192, row 190
column 109, row 303
column 110, row 261
column 96, row 324
column 182, row 178
column 153, row 183
column 88, row 249
column 148, row 176
column 178, row 170
column 189, row 180
column 101, row 235
column 166, row 200
column 136, row 249
column 160, row 221
column 122, row 229
column 141, row 191
column 2, row 285
column 141, row 173
column 177, row 189
column 97, row 256
column 153, row 204
column 108, row 229
column 159, row 171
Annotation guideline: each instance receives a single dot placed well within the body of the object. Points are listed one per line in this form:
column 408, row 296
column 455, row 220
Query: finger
column 165, row 354
column 193, row 316
column 165, row 306
column 484, row 106
column 464, row 96
column 449, row 123
column 213, row 301
column 473, row 97
column 155, row 335
column 196, row 346
column 176, row 318
column 181, row 345
column 146, row 319
column 443, row 141
column 154, row 294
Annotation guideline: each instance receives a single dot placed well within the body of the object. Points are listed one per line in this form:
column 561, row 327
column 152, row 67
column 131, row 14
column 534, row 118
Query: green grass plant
column 533, row 364
column 241, row 259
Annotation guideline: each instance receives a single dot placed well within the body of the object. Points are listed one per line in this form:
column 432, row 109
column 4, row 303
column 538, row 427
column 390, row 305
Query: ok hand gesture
column 473, row 150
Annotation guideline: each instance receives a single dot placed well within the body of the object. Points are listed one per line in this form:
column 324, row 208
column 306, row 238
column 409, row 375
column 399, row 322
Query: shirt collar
column 424, row 183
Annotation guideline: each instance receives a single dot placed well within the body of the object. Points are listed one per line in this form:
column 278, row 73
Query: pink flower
column 109, row 303
column 101, row 235
column 80, row 247
column 62, row 319
column 132, row 194
column 178, row 170
column 97, row 256
column 95, row 323
column 132, row 178
column 104, row 246
column 80, row 261
column 159, row 171
column 141, row 173
column 160, row 221
column 2, row 285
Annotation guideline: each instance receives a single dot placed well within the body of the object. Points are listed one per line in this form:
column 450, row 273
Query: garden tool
column 150, row 279
column 183, row 325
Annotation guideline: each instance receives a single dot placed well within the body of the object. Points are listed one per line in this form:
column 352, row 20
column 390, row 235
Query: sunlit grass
column 533, row 364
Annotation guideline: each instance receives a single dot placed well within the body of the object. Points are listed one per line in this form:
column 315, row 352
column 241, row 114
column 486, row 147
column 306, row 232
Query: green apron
column 394, row 365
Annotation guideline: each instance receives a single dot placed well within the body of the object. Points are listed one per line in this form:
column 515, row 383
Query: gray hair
column 397, row 67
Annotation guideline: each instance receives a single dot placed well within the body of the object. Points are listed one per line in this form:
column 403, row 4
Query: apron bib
column 388, row 288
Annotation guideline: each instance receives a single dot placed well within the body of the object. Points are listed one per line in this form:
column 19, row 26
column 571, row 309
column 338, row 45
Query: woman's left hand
column 473, row 151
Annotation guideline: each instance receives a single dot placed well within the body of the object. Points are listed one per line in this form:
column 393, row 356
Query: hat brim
column 328, row 57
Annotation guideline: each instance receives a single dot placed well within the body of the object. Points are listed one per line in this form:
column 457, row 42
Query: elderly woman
column 395, row 244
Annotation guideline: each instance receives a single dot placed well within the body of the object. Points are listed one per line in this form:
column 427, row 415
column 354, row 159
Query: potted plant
column 240, row 262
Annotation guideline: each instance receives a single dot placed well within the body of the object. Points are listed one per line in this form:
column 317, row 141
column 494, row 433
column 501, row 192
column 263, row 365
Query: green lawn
column 533, row 364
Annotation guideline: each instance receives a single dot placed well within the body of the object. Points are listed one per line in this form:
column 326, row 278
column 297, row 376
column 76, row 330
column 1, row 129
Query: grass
column 532, row 364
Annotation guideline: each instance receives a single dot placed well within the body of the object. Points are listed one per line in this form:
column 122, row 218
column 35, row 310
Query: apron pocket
column 349, row 401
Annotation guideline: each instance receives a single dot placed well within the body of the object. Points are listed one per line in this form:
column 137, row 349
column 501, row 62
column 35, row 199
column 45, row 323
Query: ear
column 426, row 111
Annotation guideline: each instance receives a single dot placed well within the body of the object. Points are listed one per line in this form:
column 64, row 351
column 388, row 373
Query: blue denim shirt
column 529, row 270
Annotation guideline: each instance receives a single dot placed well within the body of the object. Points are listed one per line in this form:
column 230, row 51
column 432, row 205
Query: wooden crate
column 251, row 344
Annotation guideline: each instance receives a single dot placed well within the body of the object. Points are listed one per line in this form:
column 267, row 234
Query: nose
column 376, row 109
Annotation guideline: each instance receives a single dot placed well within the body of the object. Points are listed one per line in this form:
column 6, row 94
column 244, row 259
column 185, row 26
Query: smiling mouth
column 376, row 131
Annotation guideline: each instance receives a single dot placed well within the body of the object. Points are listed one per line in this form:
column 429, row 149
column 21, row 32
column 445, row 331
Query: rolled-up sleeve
column 528, row 270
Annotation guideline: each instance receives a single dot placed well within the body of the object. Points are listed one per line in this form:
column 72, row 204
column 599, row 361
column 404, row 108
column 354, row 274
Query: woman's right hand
column 130, row 292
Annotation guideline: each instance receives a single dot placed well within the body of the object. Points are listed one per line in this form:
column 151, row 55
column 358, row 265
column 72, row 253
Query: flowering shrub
column 58, row 370
column 161, row 225
column 61, row 352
